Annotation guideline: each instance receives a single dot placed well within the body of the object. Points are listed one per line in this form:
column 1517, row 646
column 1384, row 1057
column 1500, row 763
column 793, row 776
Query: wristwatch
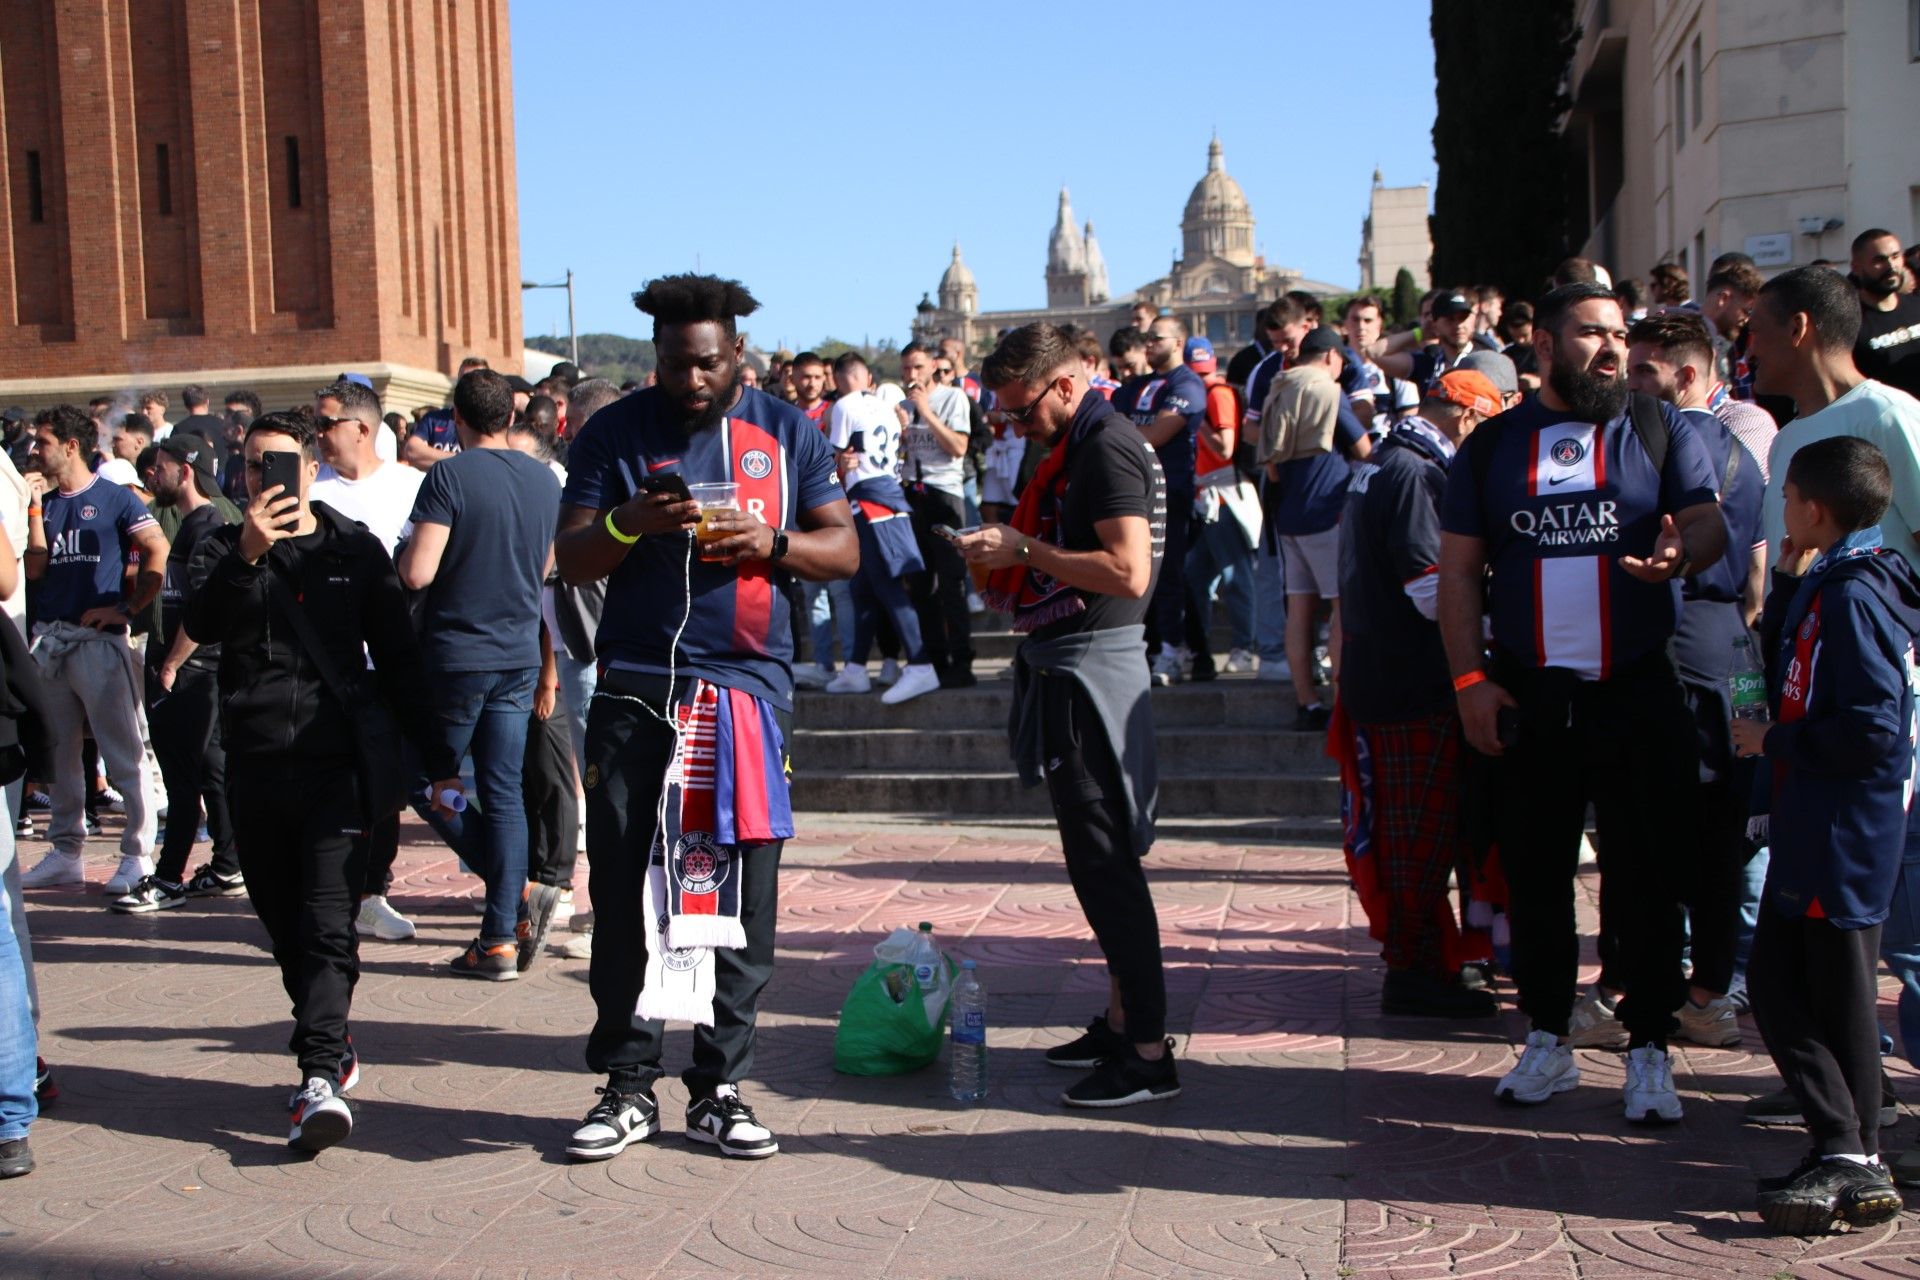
column 779, row 547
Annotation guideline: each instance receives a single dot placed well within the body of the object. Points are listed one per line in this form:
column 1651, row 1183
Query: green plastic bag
column 879, row 1036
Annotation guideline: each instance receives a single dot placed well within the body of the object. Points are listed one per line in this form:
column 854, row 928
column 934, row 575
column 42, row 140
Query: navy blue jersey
column 1179, row 390
column 437, row 428
column 89, row 540
column 736, row 633
column 1565, row 500
column 1739, row 507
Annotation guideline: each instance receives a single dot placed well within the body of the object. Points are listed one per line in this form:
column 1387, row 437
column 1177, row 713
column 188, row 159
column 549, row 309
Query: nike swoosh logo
column 655, row 466
column 1552, row 480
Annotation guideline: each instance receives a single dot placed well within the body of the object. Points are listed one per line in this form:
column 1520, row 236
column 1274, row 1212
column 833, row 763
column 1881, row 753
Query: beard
column 1881, row 286
column 1591, row 396
column 697, row 420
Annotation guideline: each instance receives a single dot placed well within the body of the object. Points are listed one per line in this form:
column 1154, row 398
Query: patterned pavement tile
column 1313, row 1138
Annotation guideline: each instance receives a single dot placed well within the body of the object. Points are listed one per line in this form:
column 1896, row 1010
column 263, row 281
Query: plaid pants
column 1411, row 803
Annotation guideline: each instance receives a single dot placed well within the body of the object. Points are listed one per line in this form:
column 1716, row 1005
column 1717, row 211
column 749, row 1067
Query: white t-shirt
column 120, row 471
column 382, row 500
column 879, row 428
column 921, row 457
column 1886, row 417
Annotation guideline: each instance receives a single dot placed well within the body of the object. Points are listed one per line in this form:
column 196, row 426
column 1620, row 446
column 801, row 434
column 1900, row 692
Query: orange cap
column 1470, row 389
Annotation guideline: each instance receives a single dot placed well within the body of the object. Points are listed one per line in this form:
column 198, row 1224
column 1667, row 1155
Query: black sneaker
column 16, row 1158
column 616, row 1122
column 1312, row 719
column 495, row 962
column 149, row 893
column 1126, row 1078
column 208, row 883
column 1099, row 1043
column 531, row 933
column 1824, row 1193
column 1203, row 669
column 44, row 1088
column 1415, row 993
column 1782, row 1181
column 1780, row 1109
column 728, row 1123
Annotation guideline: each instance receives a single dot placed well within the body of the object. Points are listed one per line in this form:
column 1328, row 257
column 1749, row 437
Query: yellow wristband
column 613, row 530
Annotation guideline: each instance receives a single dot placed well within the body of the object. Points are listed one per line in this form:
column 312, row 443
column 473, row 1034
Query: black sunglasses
column 1024, row 414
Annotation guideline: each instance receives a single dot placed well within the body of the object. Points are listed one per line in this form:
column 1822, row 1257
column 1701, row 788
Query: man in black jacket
column 294, row 780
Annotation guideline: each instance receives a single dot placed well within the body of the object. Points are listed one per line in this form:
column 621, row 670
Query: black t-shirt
column 1111, row 472
column 1889, row 346
column 209, row 428
column 177, row 585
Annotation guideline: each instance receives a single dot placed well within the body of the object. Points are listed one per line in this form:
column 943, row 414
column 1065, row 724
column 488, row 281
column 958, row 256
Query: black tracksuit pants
column 939, row 592
column 1083, row 781
column 553, row 810
column 628, row 749
column 184, row 724
column 299, row 827
column 1814, row 988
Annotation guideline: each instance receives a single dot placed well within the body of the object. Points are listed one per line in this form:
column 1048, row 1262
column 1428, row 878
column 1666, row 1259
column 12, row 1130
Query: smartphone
column 667, row 482
column 952, row 534
column 1506, row 727
column 279, row 467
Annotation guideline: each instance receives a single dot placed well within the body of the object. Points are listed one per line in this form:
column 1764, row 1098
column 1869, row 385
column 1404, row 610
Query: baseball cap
column 1199, row 355
column 190, row 449
column 1497, row 369
column 1321, row 340
column 1468, row 389
column 360, row 378
column 517, row 383
column 1452, row 304
column 14, row 413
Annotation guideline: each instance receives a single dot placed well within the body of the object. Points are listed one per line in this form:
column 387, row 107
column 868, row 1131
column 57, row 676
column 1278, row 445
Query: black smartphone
column 1506, row 727
column 952, row 534
column 667, row 482
column 280, row 467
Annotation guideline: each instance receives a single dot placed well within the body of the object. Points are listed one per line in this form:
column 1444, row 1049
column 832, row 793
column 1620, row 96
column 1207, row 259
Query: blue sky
column 832, row 169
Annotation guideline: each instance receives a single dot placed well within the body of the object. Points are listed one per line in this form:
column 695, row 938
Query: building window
column 1679, row 108
column 1693, row 65
column 293, row 172
column 36, row 193
column 163, row 179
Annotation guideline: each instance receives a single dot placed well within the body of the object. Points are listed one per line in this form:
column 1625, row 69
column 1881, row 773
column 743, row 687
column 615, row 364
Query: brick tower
column 255, row 193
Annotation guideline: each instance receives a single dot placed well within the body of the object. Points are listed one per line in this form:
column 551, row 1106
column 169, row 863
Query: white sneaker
column 850, row 680
column 1167, row 667
column 1715, row 1024
column 378, row 918
column 578, row 946
column 1241, row 660
column 1648, row 1092
column 112, row 801
column 128, row 874
column 1594, row 1024
column 1546, row 1067
column 917, row 679
column 55, row 869
column 811, row 675
column 563, row 908
column 319, row 1118
column 889, row 670
column 1279, row 672
column 974, row 603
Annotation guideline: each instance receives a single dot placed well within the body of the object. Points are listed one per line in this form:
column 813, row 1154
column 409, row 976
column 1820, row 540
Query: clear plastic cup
column 716, row 496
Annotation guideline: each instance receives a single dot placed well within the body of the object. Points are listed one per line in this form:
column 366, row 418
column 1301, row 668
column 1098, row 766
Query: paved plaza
column 1313, row 1139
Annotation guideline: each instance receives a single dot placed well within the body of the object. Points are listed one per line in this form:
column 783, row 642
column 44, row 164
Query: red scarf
column 1032, row 597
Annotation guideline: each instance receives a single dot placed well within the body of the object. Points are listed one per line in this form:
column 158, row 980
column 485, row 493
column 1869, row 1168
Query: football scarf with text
column 725, row 791
column 1034, row 598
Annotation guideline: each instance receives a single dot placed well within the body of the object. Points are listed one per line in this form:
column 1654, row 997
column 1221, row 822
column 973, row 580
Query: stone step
column 1192, row 795
column 1229, row 702
column 1186, row 749
column 1241, row 830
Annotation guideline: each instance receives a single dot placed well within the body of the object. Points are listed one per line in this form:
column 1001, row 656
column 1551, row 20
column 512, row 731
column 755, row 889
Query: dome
column 959, row 275
column 1218, row 221
column 1217, row 196
column 957, row 290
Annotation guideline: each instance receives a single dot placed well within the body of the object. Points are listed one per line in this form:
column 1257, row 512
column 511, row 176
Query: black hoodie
column 274, row 707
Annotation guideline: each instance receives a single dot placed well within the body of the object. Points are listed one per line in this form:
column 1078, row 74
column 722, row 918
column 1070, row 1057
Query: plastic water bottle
column 925, row 957
column 1747, row 683
column 967, row 1065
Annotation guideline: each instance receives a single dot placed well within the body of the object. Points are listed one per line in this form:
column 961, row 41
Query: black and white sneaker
column 320, row 1118
column 149, row 893
column 208, row 883
column 1099, row 1043
column 349, row 1068
column 1127, row 1078
column 616, row 1122
column 728, row 1123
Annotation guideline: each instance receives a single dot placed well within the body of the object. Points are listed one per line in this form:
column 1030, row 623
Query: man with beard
column 681, row 633
column 1589, row 511
column 1888, row 349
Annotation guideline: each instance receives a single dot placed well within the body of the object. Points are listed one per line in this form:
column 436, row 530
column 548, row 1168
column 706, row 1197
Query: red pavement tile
column 1314, row 1138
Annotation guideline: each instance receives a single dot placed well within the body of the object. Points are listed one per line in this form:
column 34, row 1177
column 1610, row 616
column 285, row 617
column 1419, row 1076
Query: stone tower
column 1066, row 260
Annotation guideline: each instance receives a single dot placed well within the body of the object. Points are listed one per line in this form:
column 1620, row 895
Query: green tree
column 1404, row 308
column 1500, row 205
column 612, row 356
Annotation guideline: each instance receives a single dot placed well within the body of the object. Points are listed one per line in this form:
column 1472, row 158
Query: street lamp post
column 573, row 337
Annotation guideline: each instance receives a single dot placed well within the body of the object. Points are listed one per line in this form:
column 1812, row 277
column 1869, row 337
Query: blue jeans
column 1270, row 603
column 1755, row 881
column 577, row 683
column 486, row 713
column 1220, row 554
column 830, row 615
column 18, row 1042
column 1900, row 950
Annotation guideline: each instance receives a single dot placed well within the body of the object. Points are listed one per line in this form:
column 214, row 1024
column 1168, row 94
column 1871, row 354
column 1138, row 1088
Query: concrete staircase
column 1231, row 765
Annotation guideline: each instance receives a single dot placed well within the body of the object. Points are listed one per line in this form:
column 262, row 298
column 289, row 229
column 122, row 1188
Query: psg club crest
column 1567, row 452
column 1806, row 627
column 700, row 865
column 89, row 511
column 756, row 464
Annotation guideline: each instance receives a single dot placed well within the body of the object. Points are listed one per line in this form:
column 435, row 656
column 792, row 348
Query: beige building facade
column 1780, row 128
column 1395, row 235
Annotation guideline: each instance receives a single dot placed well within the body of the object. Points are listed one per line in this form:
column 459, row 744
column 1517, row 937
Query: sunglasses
column 1024, row 414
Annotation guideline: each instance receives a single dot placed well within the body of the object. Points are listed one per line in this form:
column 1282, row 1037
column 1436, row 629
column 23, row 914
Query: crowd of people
column 1514, row 561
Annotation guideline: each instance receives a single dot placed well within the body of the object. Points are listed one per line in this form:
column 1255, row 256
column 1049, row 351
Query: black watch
column 779, row 551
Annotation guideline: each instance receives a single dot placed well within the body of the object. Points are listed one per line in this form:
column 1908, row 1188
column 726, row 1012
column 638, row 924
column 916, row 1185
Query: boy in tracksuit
column 1838, row 631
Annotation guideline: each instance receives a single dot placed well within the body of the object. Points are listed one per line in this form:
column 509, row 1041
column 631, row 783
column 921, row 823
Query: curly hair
column 694, row 299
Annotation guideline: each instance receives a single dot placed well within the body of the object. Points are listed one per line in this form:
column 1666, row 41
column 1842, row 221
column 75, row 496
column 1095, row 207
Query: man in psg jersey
column 1588, row 538
column 676, row 617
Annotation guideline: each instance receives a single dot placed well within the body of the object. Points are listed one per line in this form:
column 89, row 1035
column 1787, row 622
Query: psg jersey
column 736, row 632
column 1564, row 501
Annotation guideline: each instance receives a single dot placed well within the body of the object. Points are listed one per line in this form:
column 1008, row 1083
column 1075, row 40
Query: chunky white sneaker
column 128, row 874
column 1648, row 1092
column 319, row 1118
column 850, row 679
column 575, row 946
column 811, row 675
column 918, row 678
column 1546, row 1067
column 1594, row 1025
column 378, row 918
column 563, row 909
column 1241, row 660
column 728, row 1123
column 1715, row 1024
column 889, row 671
column 53, row 870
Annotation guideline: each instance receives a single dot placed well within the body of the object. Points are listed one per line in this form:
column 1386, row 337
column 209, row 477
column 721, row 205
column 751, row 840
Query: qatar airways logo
column 1569, row 524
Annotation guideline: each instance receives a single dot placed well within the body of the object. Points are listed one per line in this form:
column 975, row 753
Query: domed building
column 1217, row 285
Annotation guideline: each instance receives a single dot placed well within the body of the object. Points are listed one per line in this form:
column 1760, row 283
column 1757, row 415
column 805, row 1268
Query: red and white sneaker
column 320, row 1118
